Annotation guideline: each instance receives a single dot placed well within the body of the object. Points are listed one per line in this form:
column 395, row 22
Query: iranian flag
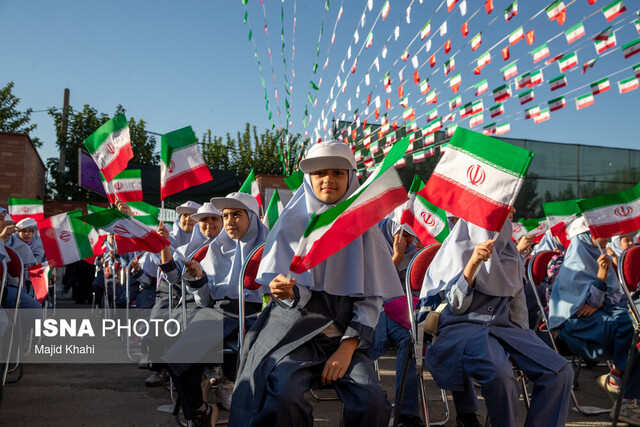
column 489, row 129
column 526, row 96
column 96, row 236
column 600, row 86
column 145, row 213
column 484, row 59
column 476, row 119
column 131, row 235
column 574, row 33
column 604, row 34
column 476, row 41
column 584, row 101
column 567, row 62
column 454, row 83
column 558, row 82
column 501, row 93
column 511, row 11
column 613, row 10
column 126, row 186
column 428, row 221
column 20, row 209
column 432, row 115
column 477, row 106
column 523, row 80
column 409, row 114
column 478, row 179
column 466, row 110
column 627, row 85
column 424, row 87
column 516, row 36
column 418, row 156
column 509, row 71
column 631, row 48
column 540, row 53
column 274, row 210
column 602, row 45
column 449, row 65
column 65, row 238
column 332, row 230
column 182, row 165
column 455, row 102
column 481, row 87
column 532, row 227
column 536, row 78
column 532, row 112
column 39, row 276
column 426, row 30
column 385, row 10
column 434, row 126
column 543, row 116
column 612, row 214
column 432, row 97
column 555, row 10
column 497, row 110
column 557, row 103
column 559, row 216
column 110, row 146
column 503, row 128
column 450, row 130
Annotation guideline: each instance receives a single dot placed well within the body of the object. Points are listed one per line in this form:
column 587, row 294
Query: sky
column 175, row 64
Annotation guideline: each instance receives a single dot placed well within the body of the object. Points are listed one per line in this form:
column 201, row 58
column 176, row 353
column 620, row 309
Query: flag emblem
column 428, row 219
column 476, row 175
column 110, row 148
column 172, row 166
column 517, row 228
column 120, row 229
column 623, row 211
column 25, row 209
column 65, row 236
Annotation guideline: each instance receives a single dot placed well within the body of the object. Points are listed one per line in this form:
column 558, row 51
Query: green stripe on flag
column 93, row 208
column 561, row 208
column 174, row 141
column 611, row 199
column 145, row 207
column 81, row 233
column 440, row 213
column 126, row 174
column 416, row 185
column 294, row 181
column 246, row 186
column 327, row 217
column 21, row 201
column 502, row 155
column 272, row 213
column 539, row 49
column 555, row 79
column 103, row 219
column 96, row 139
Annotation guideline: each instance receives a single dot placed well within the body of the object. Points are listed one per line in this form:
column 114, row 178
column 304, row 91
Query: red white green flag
column 476, row 119
column 531, row 113
column 274, row 210
column 455, row 102
column 39, row 276
column 466, row 110
column 613, row 10
column 603, row 35
column 600, row 86
column 555, row 10
column 523, row 80
column 65, row 238
column 478, row 178
column 484, row 59
column 131, row 235
column 511, row 11
column 489, row 129
column 574, row 33
column 602, row 45
column 557, row 103
column 476, row 41
column 182, row 165
column 612, row 214
column 449, row 65
column 503, row 128
column 501, row 93
column 536, row 78
column 450, row 130
column 526, row 96
column 250, row 186
column 145, row 212
column 497, row 110
column 428, row 221
column 385, row 10
column 20, row 208
column 559, row 215
column 543, row 116
column 332, row 230
column 126, row 186
column 627, row 85
column 481, row 87
column 432, row 115
column 631, row 48
column 584, row 101
column 540, row 53
column 567, row 62
column 530, row 227
column 516, row 36
column 558, row 82
column 426, row 30
column 110, row 146
column 509, row 71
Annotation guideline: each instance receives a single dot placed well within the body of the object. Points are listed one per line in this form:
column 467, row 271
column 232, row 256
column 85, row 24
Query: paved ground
column 109, row 395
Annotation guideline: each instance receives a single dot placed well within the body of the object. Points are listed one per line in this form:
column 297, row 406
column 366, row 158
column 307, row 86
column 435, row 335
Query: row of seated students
column 327, row 325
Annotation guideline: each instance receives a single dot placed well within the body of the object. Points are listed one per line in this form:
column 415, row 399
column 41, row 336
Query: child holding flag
column 485, row 325
column 588, row 308
column 320, row 322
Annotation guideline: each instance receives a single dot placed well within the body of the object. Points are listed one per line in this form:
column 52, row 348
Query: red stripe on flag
column 38, row 281
column 37, row 217
column 464, row 203
column 129, row 196
column 621, row 227
column 184, row 180
column 50, row 243
column 348, row 227
column 119, row 163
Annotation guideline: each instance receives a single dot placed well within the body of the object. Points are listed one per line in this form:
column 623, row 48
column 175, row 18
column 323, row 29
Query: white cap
column 205, row 211
column 328, row 155
column 27, row 223
column 236, row 200
column 188, row 207
column 8, row 219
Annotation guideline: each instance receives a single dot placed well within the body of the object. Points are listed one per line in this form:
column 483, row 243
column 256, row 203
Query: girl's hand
column 586, row 310
column 193, row 269
column 481, row 253
column 524, row 243
column 282, row 288
column 603, row 267
column 123, row 207
column 338, row 363
column 163, row 231
column 8, row 231
column 399, row 247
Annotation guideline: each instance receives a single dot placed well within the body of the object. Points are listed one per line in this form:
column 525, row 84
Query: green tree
column 214, row 152
column 11, row 118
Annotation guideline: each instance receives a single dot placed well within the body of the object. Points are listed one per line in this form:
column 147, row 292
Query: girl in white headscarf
column 485, row 325
column 320, row 323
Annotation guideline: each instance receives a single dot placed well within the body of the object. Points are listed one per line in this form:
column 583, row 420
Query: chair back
column 537, row 266
column 14, row 267
column 629, row 268
column 418, row 266
column 250, row 269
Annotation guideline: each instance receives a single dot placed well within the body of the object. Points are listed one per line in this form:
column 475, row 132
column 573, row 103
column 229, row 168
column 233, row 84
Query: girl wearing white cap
column 214, row 283
column 28, row 233
column 320, row 323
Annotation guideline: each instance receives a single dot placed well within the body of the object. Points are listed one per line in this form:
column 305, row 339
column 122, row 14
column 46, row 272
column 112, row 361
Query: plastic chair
column 629, row 274
column 128, row 271
column 247, row 281
column 15, row 268
column 415, row 276
column 536, row 272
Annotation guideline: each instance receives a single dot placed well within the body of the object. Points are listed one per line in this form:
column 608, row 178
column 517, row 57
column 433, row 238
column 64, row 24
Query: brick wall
column 54, row 207
column 22, row 172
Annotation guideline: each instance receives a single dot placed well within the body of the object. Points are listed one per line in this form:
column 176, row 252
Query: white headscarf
column 177, row 236
column 362, row 268
column 500, row 276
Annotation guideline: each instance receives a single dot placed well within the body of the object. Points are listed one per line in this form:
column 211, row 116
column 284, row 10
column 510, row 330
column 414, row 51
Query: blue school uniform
column 484, row 327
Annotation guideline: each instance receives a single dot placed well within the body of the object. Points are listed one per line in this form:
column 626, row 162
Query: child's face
column 26, row 234
column 626, row 242
column 186, row 223
column 236, row 222
column 329, row 185
column 210, row 226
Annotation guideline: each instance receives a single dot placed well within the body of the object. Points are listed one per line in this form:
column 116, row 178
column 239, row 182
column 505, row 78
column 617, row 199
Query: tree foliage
column 11, row 118
column 82, row 123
